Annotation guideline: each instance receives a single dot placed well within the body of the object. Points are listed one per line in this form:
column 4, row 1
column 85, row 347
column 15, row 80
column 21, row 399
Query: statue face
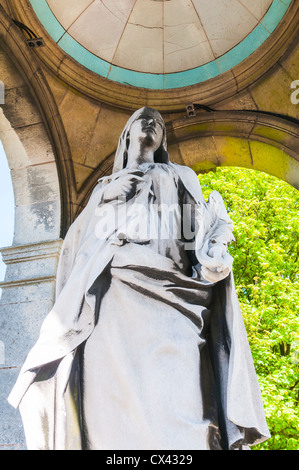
column 148, row 130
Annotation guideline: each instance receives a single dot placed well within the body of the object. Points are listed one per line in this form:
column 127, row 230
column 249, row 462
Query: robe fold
column 95, row 274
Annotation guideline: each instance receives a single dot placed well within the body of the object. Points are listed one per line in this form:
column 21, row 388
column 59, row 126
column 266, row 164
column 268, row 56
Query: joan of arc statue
column 145, row 347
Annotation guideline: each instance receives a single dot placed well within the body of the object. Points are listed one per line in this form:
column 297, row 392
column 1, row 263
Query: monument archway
column 59, row 126
column 249, row 139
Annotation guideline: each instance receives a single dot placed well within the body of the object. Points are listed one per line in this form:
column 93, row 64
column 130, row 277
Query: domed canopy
column 160, row 43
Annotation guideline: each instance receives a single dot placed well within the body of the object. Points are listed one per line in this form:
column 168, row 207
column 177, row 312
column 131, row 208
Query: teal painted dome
column 160, row 44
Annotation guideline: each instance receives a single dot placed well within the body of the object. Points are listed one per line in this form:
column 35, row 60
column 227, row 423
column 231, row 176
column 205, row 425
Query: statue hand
column 216, row 262
column 122, row 187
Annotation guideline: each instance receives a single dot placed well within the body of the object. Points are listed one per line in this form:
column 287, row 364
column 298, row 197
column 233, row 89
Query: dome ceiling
column 160, row 44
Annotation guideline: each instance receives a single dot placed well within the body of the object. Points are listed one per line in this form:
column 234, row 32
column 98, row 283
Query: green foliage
column 266, row 269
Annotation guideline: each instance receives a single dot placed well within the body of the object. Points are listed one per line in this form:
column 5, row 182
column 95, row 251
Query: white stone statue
column 145, row 347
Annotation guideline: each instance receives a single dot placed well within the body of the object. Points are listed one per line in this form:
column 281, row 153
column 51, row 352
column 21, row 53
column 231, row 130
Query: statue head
column 147, row 127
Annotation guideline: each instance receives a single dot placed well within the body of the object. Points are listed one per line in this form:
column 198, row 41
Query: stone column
column 27, row 295
column 28, row 288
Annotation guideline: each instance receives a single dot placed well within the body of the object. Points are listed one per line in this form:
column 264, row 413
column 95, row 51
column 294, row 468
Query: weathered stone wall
column 28, row 288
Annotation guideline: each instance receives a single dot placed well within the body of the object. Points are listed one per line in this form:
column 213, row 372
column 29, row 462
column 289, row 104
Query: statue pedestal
column 27, row 296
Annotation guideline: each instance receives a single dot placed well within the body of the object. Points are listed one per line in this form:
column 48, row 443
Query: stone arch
column 34, row 178
column 25, row 72
column 202, row 142
column 249, row 139
column 29, row 284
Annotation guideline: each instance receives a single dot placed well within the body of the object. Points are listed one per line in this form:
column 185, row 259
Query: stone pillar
column 28, row 288
column 27, row 295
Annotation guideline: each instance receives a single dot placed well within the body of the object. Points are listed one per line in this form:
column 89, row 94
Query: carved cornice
column 29, row 261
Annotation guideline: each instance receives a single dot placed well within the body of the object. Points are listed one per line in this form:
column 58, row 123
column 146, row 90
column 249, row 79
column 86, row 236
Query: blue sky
column 6, row 207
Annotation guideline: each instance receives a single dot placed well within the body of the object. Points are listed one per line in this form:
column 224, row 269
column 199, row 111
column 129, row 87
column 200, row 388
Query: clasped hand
column 123, row 187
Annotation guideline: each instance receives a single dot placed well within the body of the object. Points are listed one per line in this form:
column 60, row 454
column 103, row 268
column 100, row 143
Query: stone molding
column 27, row 295
column 279, row 131
column 31, row 264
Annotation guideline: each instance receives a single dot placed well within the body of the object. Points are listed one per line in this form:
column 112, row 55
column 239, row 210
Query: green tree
column 266, row 269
